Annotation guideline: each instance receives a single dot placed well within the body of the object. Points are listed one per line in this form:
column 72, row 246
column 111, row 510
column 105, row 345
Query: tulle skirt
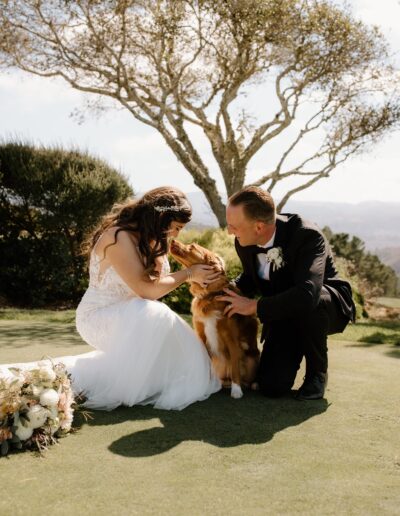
column 144, row 354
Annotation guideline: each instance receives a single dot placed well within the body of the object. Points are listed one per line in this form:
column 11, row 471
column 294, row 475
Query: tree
column 49, row 200
column 176, row 65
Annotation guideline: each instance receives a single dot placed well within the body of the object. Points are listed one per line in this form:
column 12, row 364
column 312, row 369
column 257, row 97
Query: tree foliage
column 177, row 65
column 49, row 199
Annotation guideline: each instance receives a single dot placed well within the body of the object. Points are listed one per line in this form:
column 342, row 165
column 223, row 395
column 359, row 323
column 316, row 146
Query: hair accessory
column 162, row 209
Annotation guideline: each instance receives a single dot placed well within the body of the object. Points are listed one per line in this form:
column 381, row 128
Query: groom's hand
column 238, row 304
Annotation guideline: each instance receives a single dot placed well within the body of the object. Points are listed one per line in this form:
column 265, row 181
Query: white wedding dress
column 145, row 353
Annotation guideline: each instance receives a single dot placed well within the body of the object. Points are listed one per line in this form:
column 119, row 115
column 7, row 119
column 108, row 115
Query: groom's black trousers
column 288, row 341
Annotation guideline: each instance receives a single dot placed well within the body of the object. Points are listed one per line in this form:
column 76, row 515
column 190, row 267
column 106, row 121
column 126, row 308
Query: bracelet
column 189, row 275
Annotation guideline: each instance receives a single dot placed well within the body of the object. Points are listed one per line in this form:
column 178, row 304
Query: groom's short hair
column 257, row 203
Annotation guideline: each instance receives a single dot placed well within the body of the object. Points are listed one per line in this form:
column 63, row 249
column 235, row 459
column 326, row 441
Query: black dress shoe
column 313, row 387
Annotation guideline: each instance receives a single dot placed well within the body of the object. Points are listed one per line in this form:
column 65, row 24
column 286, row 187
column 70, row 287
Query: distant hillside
column 390, row 256
column 376, row 223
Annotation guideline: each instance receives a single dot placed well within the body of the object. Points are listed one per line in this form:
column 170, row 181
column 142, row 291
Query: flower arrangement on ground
column 36, row 406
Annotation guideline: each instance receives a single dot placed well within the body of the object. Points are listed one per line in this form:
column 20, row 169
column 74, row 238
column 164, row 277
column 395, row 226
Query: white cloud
column 139, row 143
column 30, row 91
column 377, row 13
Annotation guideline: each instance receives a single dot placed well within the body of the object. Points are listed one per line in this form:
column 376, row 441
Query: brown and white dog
column 230, row 342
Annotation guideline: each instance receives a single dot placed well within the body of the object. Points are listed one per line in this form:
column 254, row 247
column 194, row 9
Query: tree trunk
column 218, row 207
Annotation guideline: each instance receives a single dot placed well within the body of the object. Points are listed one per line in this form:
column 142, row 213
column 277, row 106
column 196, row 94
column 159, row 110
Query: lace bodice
column 110, row 281
column 106, row 291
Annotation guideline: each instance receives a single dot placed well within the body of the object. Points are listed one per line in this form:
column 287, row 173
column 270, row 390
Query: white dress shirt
column 263, row 264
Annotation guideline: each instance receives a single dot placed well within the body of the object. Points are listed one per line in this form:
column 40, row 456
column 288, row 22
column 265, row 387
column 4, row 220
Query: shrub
column 369, row 277
column 348, row 272
column 49, row 200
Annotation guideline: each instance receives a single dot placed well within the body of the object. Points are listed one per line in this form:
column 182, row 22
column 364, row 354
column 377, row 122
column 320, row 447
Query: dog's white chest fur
column 210, row 330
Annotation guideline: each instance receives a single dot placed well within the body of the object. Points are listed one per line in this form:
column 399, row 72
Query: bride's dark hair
column 150, row 217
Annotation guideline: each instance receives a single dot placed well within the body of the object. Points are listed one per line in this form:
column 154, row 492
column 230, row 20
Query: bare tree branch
column 180, row 64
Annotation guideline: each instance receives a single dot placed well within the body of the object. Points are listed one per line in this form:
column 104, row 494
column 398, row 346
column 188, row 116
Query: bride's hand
column 203, row 274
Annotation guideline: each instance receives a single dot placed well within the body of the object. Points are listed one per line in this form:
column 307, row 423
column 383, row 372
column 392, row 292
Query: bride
column 144, row 352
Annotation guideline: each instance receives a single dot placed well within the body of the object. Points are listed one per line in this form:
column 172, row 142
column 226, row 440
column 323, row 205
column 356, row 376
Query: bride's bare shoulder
column 111, row 236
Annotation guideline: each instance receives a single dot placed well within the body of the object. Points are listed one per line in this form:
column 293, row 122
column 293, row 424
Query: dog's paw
column 236, row 391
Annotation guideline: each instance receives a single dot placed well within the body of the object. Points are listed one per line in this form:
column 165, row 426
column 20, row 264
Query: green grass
column 252, row 456
column 28, row 335
column 372, row 333
column 43, row 316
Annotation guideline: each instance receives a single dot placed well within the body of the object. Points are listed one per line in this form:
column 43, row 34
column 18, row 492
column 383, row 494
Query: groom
column 287, row 261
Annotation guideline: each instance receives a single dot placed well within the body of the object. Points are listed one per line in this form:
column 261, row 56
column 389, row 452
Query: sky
column 39, row 110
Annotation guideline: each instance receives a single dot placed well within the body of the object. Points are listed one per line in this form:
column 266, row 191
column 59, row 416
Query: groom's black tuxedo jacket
column 294, row 289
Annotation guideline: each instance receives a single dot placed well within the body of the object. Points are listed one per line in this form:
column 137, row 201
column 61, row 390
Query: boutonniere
column 275, row 257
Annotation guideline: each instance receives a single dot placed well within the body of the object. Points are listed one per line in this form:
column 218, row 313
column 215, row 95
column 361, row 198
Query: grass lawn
column 250, row 456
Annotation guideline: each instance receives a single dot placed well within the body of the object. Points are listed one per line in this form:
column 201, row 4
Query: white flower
column 273, row 253
column 22, row 432
column 47, row 374
column 49, row 398
column 37, row 416
column 37, row 390
column 274, row 256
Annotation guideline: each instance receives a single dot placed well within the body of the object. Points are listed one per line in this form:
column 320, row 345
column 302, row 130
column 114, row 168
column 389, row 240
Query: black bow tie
column 256, row 249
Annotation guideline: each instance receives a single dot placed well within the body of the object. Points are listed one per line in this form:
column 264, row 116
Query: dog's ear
column 214, row 260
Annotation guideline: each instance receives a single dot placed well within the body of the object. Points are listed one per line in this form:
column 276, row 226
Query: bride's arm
column 125, row 259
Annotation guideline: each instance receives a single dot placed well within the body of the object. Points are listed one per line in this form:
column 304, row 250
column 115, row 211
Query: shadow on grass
column 377, row 338
column 219, row 421
column 375, row 333
column 394, row 353
column 23, row 335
